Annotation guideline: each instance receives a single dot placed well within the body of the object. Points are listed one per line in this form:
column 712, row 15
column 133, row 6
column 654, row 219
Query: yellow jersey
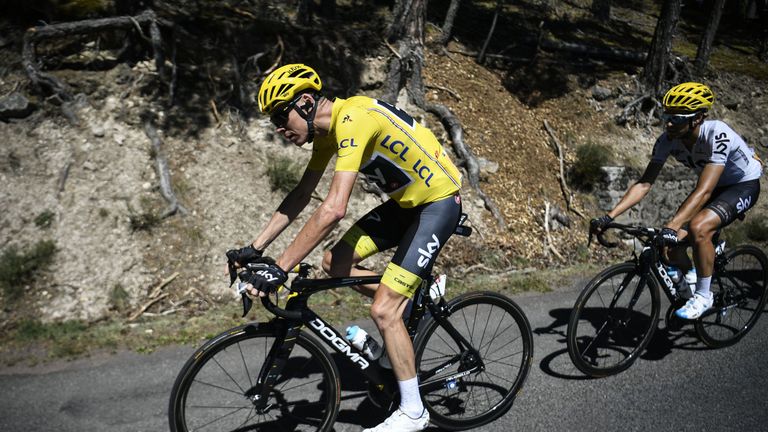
column 390, row 148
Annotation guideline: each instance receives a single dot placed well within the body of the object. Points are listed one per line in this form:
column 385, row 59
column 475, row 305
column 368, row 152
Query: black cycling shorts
column 728, row 202
column 419, row 234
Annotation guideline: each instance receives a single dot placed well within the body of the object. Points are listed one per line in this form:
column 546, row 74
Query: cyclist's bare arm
column 695, row 202
column 639, row 190
column 328, row 214
column 289, row 209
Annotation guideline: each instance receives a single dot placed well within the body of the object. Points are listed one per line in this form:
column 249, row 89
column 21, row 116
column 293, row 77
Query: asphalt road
column 677, row 385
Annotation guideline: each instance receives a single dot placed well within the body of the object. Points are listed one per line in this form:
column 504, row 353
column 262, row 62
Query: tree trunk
column 705, row 46
column 450, row 16
column 658, row 56
column 304, row 13
column 601, row 9
column 762, row 14
column 405, row 69
column 481, row 56
column 328, row 8
column 407, row 31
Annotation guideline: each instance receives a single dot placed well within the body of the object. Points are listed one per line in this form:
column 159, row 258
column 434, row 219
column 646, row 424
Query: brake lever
column 247, row 302
column 232, row 272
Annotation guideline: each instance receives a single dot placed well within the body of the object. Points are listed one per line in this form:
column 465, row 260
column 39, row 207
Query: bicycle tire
column 739, row 298
column 501, row 333
column 210, row 391
column 603, row 339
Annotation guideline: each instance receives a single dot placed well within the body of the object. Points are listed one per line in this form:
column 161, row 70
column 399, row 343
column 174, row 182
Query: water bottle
column 674, row 274
column 361, row 340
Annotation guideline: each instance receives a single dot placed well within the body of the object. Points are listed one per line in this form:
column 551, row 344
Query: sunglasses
column 280, row 117
column 677, row 119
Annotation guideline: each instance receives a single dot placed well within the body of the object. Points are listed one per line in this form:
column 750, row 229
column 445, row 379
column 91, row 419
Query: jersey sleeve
column 355, row 132
column 661, row 150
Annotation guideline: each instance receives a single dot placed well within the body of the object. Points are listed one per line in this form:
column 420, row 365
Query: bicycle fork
column 276, row 360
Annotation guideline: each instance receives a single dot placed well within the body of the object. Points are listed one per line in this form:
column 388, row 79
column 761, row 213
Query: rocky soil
column 97, row 177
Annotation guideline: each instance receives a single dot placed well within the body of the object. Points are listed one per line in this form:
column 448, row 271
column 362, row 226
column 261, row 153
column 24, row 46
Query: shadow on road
column 361, row 412
column 558, row 363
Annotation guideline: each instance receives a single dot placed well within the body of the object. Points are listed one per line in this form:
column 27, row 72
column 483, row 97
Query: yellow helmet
column 284, row 83
column 689, row 97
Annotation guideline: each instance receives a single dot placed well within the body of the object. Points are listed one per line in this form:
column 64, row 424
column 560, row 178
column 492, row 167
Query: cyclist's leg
column 726, row 204
column 372, row 233
column 431, row 226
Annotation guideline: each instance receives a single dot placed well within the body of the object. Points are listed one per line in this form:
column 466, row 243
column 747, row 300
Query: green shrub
column 44, row 219
column 18, row 267
column 118, row 298
column 587, row 170
column 143, row 221
column 284, row 174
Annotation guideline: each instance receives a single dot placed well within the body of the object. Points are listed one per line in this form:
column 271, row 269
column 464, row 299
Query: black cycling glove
column 244, row 255
column 266, row 277
column 598, row 224
column 668, row 237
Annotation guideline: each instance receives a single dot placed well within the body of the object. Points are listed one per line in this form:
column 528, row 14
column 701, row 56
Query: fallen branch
column 465, row 153
column 63, row 177
column 496, row 272
column 59, row 31
column 445, row 89
column 563, row 184
column 162, row 172
column 550, row 243
column 156, row 292
column 146, row 306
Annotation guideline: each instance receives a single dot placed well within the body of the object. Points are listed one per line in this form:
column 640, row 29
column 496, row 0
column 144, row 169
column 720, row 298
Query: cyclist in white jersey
column 728, row 185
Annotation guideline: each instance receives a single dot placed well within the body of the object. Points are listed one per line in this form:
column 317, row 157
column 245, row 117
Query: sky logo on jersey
column 426, row 255
column 721, row 140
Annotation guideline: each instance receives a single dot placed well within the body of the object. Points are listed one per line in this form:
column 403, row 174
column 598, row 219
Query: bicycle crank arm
column 437, row 384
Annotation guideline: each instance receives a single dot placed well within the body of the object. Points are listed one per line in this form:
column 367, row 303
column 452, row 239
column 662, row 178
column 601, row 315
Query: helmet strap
column 310, row 116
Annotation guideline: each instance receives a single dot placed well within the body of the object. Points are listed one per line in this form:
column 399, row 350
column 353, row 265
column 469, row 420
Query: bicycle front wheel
column 739, row 290
column 215, row 389
column 613, row 320
column 464, row 388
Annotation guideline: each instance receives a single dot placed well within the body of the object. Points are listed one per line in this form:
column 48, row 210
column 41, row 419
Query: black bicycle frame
column 297, row 314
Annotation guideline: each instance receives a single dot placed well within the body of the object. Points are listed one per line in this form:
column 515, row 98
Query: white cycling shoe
column 399, row 422
column 695, row 306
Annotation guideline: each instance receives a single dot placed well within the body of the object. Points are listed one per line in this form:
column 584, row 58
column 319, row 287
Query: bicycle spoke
column 227, row 374
column 218, row 419
column 240, row 393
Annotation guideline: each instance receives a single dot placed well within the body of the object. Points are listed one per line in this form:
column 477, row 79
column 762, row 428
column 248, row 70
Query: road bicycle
column 616, row 315
column 473, row 354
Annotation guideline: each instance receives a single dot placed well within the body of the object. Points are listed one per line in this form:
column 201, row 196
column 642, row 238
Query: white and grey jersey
column 717, row 144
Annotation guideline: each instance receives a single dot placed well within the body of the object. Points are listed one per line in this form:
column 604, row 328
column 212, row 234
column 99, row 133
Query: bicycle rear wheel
column 467, row 388
column 739, row 289
column 214, row 390
column 613, row 320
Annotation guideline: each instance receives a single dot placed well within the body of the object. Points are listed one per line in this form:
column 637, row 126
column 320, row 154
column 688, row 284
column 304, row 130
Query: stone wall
column 669, row 191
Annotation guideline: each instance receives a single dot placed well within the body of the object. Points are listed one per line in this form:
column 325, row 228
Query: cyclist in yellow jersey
column 387, row 146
